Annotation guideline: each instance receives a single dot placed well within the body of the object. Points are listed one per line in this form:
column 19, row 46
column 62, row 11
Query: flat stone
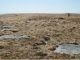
column 9, row 28
column 70, row 49
column 17, row 37
column 16, row 30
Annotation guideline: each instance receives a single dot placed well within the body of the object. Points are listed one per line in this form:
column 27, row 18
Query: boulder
column 70, row 49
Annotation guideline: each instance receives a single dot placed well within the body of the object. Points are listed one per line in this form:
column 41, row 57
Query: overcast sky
column 39, row 6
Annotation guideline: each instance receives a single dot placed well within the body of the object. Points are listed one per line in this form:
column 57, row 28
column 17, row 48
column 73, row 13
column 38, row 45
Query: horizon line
column 39, row 13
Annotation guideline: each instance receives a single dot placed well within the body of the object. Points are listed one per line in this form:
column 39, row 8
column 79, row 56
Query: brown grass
column 47, row 31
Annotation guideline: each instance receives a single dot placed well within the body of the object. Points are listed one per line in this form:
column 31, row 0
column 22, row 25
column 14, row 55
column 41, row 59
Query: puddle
column 70, row 49
column 17, row 37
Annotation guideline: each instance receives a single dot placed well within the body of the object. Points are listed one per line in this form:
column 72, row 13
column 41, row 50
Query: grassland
column 47, row 32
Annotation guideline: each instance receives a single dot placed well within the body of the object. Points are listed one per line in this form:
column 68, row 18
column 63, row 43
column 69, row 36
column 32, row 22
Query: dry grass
column 47, row 31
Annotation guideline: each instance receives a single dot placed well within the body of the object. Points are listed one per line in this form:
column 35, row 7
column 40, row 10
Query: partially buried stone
column 17, row 37
column 70, row 49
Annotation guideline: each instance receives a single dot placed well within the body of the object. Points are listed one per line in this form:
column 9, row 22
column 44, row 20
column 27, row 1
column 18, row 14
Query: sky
column 39, row 6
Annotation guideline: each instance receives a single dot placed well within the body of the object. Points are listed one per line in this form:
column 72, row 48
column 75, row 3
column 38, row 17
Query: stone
column 17, row 37
column 12, row 28
column 70, row 49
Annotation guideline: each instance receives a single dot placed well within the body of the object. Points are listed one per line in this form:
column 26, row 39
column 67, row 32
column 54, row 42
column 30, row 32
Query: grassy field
column 47, row 31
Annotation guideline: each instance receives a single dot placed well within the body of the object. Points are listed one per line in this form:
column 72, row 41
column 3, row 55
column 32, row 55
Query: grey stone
column 70, row 49
column 9, row 28
column 17, row 37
